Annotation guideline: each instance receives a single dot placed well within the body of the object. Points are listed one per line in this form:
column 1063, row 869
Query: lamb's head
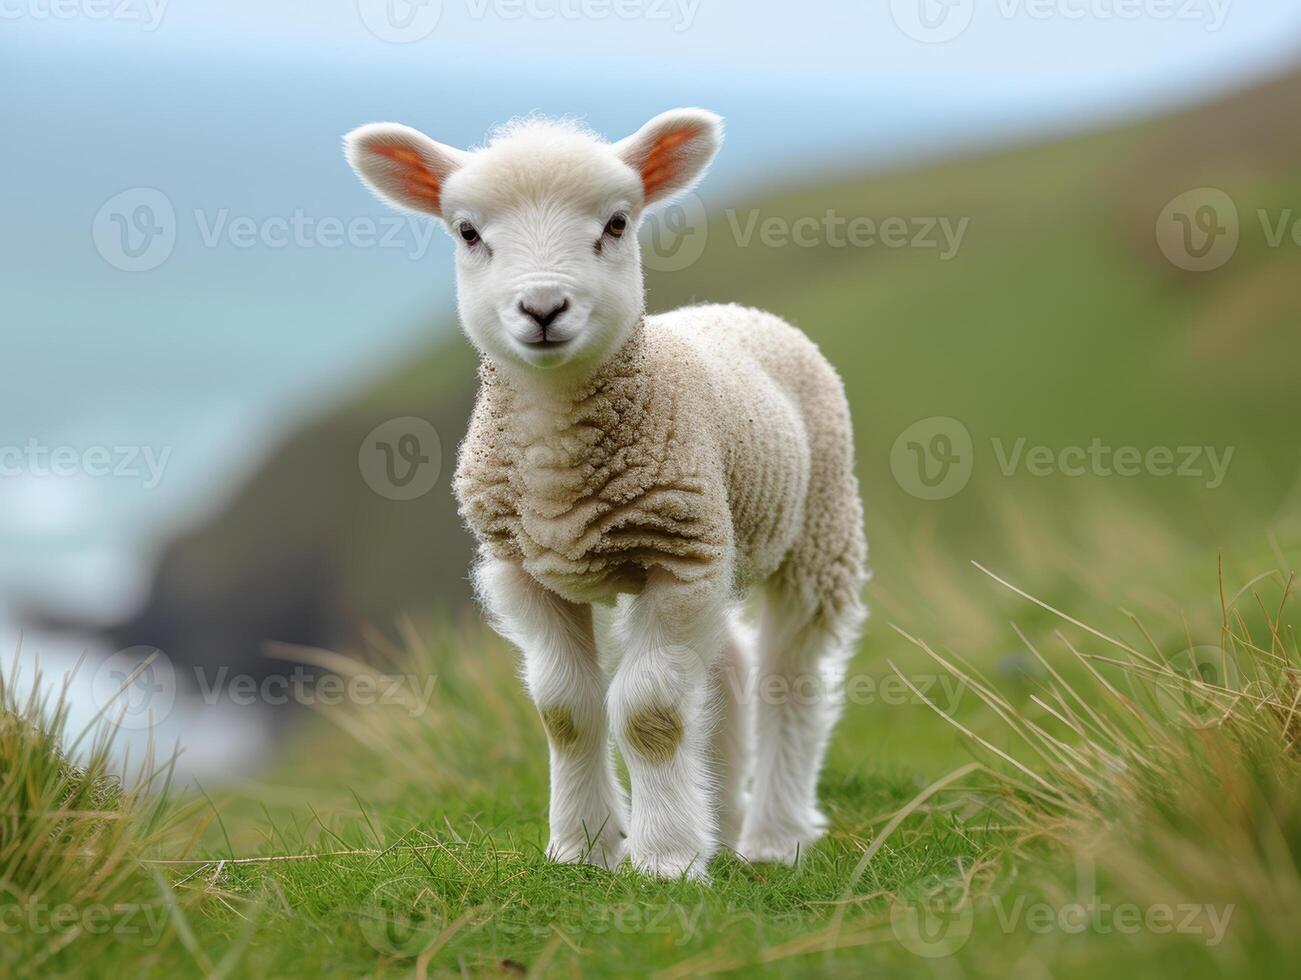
column 545, row 220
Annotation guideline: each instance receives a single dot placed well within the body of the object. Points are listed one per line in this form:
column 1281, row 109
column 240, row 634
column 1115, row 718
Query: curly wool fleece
column 717, row 440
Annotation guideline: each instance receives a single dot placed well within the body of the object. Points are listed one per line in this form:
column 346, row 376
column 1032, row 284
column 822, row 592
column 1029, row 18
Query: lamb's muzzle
column 660, row 467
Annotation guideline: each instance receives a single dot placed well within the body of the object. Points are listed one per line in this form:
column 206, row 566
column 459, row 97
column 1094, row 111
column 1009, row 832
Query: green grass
column 407, row 840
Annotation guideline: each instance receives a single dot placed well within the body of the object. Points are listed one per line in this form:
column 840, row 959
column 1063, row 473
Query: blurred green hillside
column 1057, row 321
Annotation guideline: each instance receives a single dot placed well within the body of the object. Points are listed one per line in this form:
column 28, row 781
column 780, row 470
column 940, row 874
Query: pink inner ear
column 661, row 164
column 418, row 181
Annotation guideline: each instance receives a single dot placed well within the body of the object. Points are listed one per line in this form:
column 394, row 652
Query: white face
column 545, row 222
column 547, row 272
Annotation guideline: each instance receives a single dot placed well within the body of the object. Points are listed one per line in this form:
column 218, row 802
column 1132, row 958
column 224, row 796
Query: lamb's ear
column 402, row 165
column 672, row 151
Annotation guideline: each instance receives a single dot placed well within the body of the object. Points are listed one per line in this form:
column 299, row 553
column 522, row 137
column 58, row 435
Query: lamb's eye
column 468, row 233
column 617, row 225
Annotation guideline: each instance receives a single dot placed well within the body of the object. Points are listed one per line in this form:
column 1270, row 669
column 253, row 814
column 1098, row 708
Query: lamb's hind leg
column 798, row 699
column 565, row 680
column 733, row 732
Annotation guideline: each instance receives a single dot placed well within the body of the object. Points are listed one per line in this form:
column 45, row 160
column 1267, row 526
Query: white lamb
column 675, row 460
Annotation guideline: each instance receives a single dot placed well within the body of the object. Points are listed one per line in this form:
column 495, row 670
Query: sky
column 1066, row 47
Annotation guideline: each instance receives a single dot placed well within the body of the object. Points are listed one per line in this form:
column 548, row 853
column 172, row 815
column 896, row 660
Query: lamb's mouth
column 545, row 343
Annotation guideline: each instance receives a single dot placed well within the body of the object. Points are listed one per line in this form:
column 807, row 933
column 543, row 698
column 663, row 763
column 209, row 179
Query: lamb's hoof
column 669, row 867
column 776, row 846
column 604, row 852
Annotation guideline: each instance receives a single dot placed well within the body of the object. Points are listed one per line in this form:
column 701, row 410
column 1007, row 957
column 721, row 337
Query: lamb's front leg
column 669, row 635
column 564, row 679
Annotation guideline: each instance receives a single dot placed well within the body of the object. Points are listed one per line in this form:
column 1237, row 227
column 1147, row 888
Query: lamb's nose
column 542, row 319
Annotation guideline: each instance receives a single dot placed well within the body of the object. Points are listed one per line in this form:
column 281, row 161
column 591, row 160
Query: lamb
column 656, row 468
